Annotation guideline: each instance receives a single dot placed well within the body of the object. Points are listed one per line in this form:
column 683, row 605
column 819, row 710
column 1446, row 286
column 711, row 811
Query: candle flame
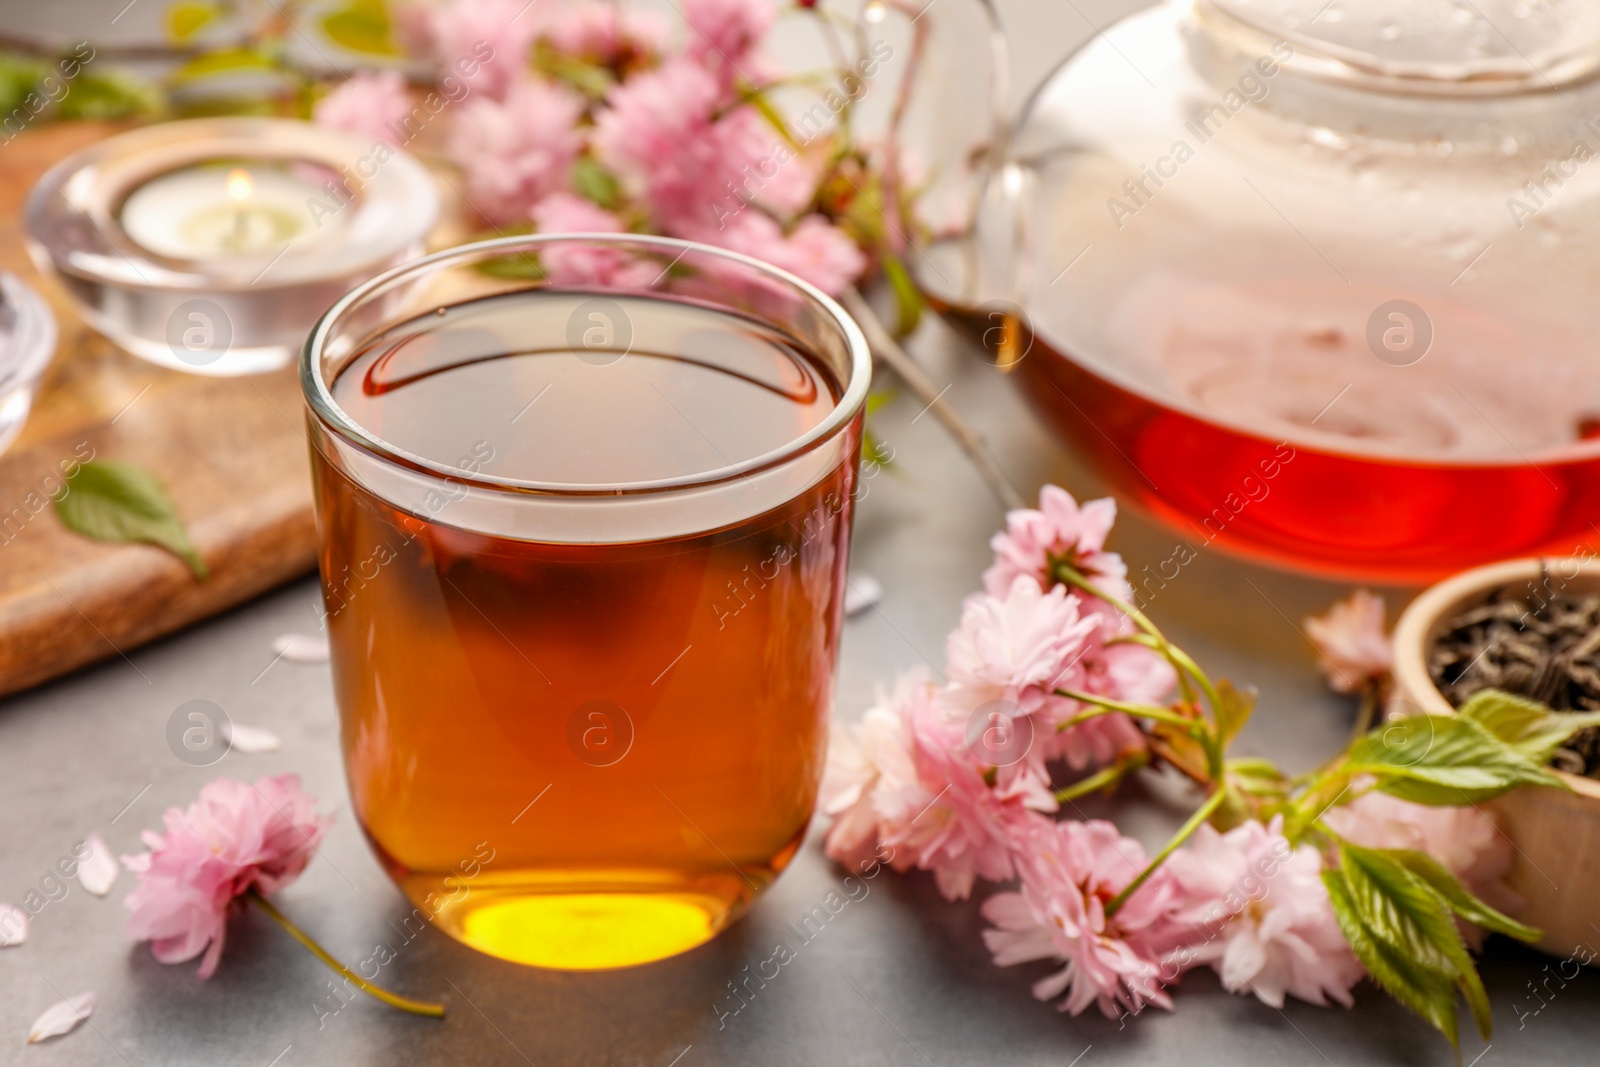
column 240, row 185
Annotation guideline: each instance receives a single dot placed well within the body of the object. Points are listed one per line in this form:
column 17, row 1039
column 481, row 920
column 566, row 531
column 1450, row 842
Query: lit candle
column 212, row 212
column 249, row 226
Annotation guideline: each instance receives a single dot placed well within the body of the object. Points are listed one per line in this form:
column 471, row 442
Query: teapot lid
column 1435, row 47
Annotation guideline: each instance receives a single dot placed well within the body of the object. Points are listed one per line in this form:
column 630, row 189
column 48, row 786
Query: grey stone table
column 897, row 977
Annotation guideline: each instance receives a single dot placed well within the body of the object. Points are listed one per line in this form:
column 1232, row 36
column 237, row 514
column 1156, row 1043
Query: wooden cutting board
column 231, row 452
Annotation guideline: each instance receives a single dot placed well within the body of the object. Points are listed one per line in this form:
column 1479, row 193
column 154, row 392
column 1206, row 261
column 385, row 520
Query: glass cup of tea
column 584, row 506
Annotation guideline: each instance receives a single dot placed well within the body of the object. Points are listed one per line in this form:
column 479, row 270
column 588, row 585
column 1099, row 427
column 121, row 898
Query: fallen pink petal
column 61, row 1018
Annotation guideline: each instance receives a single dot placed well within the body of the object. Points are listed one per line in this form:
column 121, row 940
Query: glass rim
column 328, row 412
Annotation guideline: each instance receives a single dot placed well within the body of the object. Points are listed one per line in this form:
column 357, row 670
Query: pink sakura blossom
column 1127, row 672
column 675, row 138
column 871, row 782
column 657, row 134
column 724, row 34
column 905, row 778
column 606, row 33
column 1018, row 646
column 1072, row 870
column 823, row 255
column 678, row 140
column 485, row 42
column 763, row 170
column 966, row 830
column 1350, row 641
column 369, row 104
column 1263, row 917
column 1059, row 530
column 816, row 251
column 517, row 151
column 1018, row 650
column 588, row 264
column 1464, row 839
column 234, row 838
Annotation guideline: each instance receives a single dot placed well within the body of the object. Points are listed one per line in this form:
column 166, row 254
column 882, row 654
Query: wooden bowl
column 1556, row 834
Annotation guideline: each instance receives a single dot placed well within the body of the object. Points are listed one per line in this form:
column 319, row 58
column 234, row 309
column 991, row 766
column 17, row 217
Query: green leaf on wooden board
column 111, row 501
column 19, row 76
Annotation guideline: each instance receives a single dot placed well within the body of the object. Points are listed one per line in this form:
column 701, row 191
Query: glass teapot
column 1314, row 279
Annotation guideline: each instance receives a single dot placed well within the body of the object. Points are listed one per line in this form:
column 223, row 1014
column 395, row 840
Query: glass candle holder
column 27, row 342
column 212, row 245
column 585, row 506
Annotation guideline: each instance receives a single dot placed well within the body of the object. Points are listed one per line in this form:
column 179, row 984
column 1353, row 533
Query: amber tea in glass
column 583, row 554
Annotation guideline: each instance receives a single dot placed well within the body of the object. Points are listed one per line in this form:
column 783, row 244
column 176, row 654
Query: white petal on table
column 13, row 925
column 252, row 739
column 861, row 592
column 302, row 648
column 97, row 871
column 61, row 1018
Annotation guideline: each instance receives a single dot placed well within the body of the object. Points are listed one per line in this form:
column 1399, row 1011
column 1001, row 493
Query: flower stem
column 1105, row 705
column 1104, row 778
column 416, row 1007
column 1371, row 698
column 1213, row 802
column 1182, row 663
column 1064, row 571
column 888, row 350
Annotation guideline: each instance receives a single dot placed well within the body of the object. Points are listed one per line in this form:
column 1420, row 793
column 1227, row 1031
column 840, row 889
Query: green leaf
column 595, row 182
column 1258, row 777
column 1532, row 730
column 876, row 452
column 227, row 61
column 1403, row 911
column 1443, row 760
column 186, row 19
column 18, row 78
column 765, row 108
column 110, row 96
column 590, row 79
column 1456, row 895
column 878, row 398
column 112, row 501
column 907, row 298
column 1425, row 992
column 361, row 26
column 516, row 266
column 1234, row 710
column 1399, row 909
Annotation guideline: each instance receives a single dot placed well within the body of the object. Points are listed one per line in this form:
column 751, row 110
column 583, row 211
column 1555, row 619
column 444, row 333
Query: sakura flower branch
column 235, row 842
column 1363, row 865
